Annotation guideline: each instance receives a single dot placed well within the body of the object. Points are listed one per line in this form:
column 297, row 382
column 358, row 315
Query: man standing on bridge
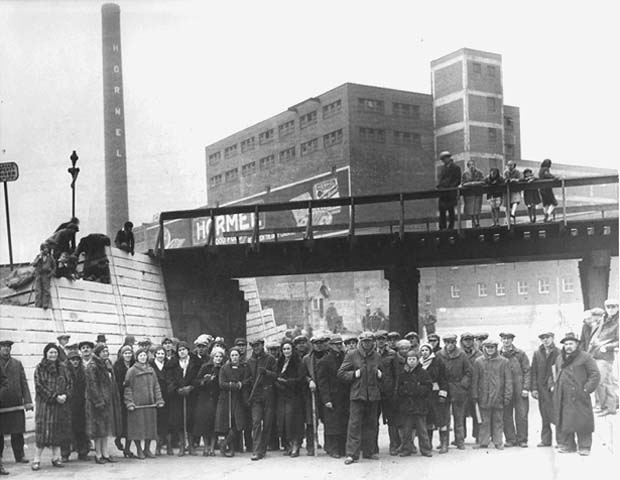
column 449, row 177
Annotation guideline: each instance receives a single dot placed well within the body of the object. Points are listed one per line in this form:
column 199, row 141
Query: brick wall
column 448, row 79
column 449, row 113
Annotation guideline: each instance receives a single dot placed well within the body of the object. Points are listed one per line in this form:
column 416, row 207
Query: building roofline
column 466, row 51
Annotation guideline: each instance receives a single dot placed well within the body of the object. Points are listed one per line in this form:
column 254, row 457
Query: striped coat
column 52, row 420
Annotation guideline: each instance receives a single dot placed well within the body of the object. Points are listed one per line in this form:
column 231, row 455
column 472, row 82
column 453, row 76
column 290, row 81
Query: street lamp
column 74, row 172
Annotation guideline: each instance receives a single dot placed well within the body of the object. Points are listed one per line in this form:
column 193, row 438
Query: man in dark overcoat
column 262, row 369
column 310, row 390
column 542, row 381
column 449, row 177
column 577, row 378
column 603, row 344
column 4, row 383
column 467, row 345
column 362, row 370
column 77, row 401
column 387, row 407
column 334, row 395
column 15, row 401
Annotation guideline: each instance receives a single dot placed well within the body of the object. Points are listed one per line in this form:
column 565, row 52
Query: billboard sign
column 327, row 185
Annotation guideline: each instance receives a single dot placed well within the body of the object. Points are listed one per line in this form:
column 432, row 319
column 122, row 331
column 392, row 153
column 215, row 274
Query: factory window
column 406, row 138
column 491, row 105
column 477, row 68
column 287, row 154
column 307, row 119
column 215, row 180
column 491, row 70
column 214, row 158
column 372, row 134
column 455, row 291
column 544, row 286
column 332, row 109
column 266, row 136
column 500, row 289
column 231, row 175
column 405, row 110
column 248, row 169
column 370, row 105
column 508, row 123
column 248, row 144
column 492, row 135
column 286, row 128
column 310, row 146
column 568, row 286
column 267, row 162
column 230, row 151
column 522, row 287
column 332, row 138
column 482, row 290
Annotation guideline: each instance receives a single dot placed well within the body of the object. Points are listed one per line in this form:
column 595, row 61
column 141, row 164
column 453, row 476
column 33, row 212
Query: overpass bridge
column 399, row 245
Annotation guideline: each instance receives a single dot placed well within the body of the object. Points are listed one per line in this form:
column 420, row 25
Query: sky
column 195, row 72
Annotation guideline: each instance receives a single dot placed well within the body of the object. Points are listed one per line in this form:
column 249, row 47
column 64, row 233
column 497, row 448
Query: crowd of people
column 217, row 397
column 450, row 177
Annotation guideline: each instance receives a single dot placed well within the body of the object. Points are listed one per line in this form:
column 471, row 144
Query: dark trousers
column 335, row 444
column 79, row 445
column 492, row 426
column 584, row 440
column 408, row 423
column 545, row 434
column 470, row 411
column 443, row 211
column 17, row 444
column 263, row 413
column 515, row 415
column 458, row 417
column 362, row 428
column 386, row 409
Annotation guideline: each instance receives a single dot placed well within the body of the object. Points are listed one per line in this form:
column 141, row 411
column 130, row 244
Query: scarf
column 426, row 362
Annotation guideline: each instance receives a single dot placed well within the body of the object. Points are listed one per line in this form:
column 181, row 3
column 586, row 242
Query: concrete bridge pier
column 594, row 275
column 403, row 298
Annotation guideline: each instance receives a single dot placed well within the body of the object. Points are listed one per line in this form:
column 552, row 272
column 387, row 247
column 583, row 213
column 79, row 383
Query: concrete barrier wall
column 133, row 304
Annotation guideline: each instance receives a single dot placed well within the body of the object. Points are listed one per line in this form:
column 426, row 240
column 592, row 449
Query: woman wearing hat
column 100, row 396
column 142, row 397
column 158, row 363
column 53, row 412
column 207, row 387
column 123, row 363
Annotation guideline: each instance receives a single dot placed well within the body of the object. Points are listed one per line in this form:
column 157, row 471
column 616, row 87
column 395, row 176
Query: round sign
column 9, row 172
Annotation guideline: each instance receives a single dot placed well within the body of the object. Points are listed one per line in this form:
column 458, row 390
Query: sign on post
column 9, row 172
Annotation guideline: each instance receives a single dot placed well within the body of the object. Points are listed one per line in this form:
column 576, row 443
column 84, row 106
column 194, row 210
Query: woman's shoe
column 99, row 460
column 119, row 444
column 148, row 454
column 109, row 459
column 57, row 463
column 35, row 466
column 128, row 454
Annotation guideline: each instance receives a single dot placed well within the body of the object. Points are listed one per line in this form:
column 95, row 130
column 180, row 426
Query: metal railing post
column 211, row 232
column 256, row 235
column 508, row 205
column 564, row 202
column 458, row 209
column 309, row 234
column 160, row 238
column 352, row 218
column 401, row 230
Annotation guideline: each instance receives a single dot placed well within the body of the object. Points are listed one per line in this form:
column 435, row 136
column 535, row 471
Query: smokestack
column 117, row 205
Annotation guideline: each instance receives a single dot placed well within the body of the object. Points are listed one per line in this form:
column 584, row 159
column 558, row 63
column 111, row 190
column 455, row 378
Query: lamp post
column 74, row 172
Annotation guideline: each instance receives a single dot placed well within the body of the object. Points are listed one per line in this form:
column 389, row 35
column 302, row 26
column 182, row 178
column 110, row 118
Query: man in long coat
column 310, row 390
column 577, row 378
column 516, row 414
column 4, row 383
column 362, row 370
column 15, row 400
column 387, row 407
column 467, row 345
column 334, row 396
column 79, row 441
column 542, row 380
column 449, row 177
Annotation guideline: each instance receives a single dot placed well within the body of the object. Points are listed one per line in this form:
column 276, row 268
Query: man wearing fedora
column 16, row 399
column 542, row 379
column 449, row 177
column 63, row 340
column 577, row 378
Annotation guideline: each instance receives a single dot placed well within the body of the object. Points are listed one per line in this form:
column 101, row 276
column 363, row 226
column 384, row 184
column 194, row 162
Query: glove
column 379, row 374
column 358, row 373
column 329, row 405
column 239, row 385
column 131, row 408
column 535, row 394
column 312, row 385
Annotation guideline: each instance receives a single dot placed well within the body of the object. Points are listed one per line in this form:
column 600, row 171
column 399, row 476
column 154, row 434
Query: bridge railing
column 254, row 212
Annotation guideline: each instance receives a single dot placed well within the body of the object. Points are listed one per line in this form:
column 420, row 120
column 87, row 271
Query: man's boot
column 169, row 449
column 444, row 439
column 309, row 440
column 191, row 445
column 430, row 437
column 295, row 449
column 181, row 445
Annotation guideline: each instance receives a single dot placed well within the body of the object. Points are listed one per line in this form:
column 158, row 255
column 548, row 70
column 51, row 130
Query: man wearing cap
column 4, row 383
column 319, row 349
column 242, row 346
column 63, row 340
column 591, row 320
column 350, row 343
column 263, row 372
column 79, row 439
column 392, row 338
column 302, row 348
column 479, row 338
column 458, row 372
column 414, row 339
column 433, row 341
column 515, row 414
column 467, row 345
column 603, row 342
column 387, row 408
column 168, row 345
column 201, row 349
column 492, row 392
column 334, row 396
column 449, row 177
column 577, row 378
column 362, row 370
column 16, row 398
column 542, row 379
